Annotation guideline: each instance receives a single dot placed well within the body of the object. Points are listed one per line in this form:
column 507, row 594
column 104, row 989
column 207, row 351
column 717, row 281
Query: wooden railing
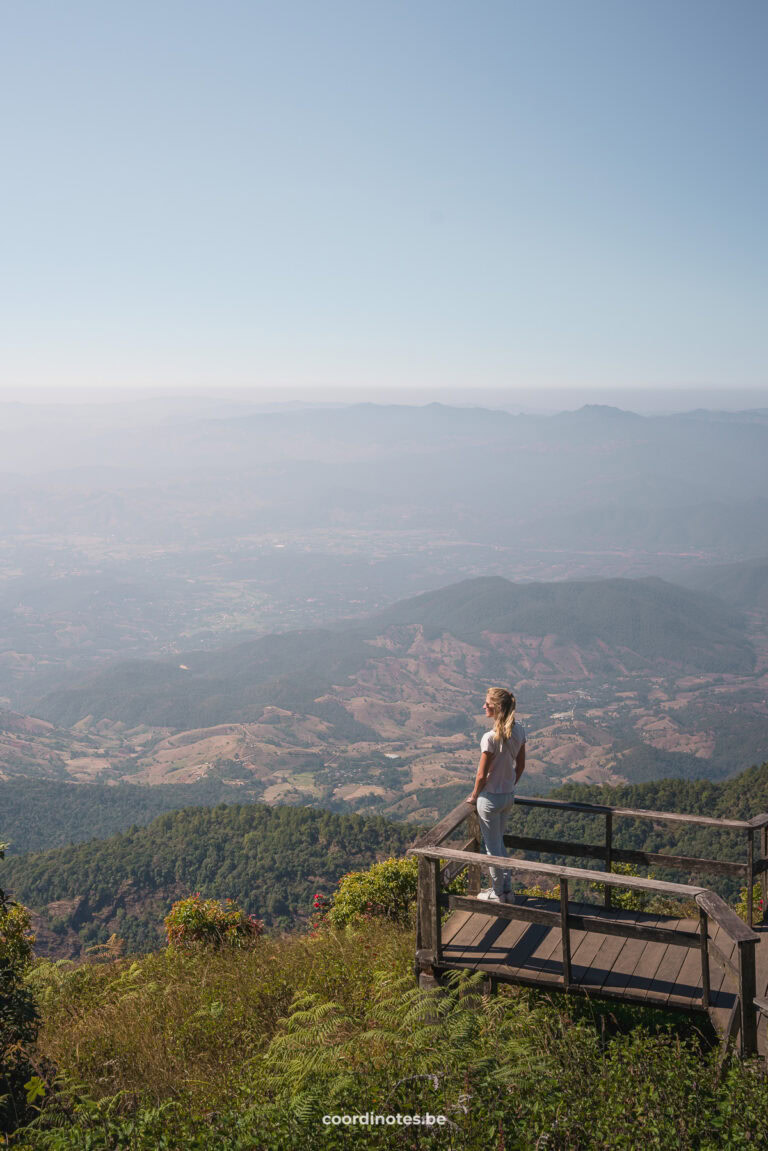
column 431, row 849
column 751, row 869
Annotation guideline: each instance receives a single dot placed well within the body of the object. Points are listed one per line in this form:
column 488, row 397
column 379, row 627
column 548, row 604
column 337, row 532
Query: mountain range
column 640, row 622
column 617, row 680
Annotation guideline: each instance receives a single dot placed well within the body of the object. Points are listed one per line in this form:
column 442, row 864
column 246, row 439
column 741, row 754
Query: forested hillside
column 651, row 617
column 271, row 860
column 39, row 814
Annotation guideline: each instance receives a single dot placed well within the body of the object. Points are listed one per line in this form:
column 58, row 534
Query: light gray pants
column 492, row 811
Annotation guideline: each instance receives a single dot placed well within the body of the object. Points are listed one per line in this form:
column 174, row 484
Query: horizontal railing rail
column 750, row 870
column 642, row 813
column 559, row 871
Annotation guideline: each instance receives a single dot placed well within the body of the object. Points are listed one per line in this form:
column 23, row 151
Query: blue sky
column 368, row 194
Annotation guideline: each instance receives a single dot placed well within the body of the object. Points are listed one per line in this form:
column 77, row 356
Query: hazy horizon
column 543, row 400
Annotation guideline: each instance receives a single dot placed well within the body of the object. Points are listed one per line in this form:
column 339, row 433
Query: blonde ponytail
column 504, row 704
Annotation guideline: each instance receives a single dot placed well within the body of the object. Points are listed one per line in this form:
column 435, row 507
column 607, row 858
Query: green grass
column 178, row 1025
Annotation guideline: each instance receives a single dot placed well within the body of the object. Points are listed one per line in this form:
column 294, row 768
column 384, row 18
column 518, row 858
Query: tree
column 18, row 1014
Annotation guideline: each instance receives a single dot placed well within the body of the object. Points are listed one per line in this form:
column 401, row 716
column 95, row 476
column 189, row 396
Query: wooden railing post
column 704, row 933
column 747, row 992
column 750, row 875
column 436, row 886
column 423, row 933
column 764, row 876
column 428, row 936
column 474, row 873
column 608, row 852
column 565, row 931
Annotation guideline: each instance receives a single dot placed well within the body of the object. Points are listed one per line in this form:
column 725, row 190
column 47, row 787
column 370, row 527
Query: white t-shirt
column 501, row 777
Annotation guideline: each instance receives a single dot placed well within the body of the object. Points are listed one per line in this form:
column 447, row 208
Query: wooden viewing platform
column 709, row 961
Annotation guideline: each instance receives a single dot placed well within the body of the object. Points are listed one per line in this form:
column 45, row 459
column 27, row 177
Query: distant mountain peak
column 605, row 410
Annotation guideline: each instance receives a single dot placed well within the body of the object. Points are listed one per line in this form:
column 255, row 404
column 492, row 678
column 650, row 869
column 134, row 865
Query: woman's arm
column 520, row 764
column 483, row 768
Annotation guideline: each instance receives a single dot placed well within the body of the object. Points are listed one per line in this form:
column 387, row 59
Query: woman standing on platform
column 502, row 762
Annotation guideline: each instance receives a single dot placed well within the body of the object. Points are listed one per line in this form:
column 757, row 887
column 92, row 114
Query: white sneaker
column 490, row 895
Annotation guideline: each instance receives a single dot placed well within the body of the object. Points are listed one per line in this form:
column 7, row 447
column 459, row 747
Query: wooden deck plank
column 584, row 951
column 688, row 982
column 467, row 933
column 490, row 944
column 627, row 960
column 514, row 945
column 595, row 955
column 474, row 938
column 761, row 965
column 529, row 955
column 586, row 946
column 544, row 949
column 661, row 968
column 544, row 979
column 453, row 926
column 618, row 968
column 518, row 946
column 640, row 982
column 593, row 979
column 461, row 939
column 654, row 960
column 497, row 945
column 667, row 970
column 524, row 959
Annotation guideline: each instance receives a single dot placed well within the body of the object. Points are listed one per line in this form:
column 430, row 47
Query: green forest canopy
column 273, row 859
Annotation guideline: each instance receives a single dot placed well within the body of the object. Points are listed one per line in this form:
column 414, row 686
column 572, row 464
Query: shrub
column 196, row 921
column 387, row 890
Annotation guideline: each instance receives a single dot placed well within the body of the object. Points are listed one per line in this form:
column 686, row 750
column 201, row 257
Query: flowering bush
column 195, row 921
column 757, row 897
column 321, row 905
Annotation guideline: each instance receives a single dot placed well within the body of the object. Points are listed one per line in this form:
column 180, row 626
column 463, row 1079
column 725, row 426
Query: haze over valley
column 305, row 604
